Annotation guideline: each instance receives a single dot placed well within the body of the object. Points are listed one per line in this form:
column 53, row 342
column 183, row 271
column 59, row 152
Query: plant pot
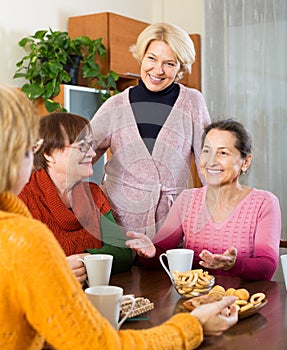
column 72, row 67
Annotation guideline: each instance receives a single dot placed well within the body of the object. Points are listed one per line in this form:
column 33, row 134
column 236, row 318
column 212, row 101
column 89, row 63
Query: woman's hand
column 141, row 244
column 223, row 261
column 78, row 267
column 215, row 317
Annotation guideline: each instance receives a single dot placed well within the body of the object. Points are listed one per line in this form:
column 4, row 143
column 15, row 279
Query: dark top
column 151, row 110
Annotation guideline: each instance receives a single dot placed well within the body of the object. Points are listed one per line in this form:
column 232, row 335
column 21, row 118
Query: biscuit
column 230, row 291
column 242, row 294
column 217, row 290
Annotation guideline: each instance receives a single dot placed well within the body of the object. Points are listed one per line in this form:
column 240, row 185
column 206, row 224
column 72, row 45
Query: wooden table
column 266, row 330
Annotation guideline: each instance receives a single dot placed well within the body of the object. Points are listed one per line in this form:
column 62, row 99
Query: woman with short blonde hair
column 153, row 130
column 176, row 38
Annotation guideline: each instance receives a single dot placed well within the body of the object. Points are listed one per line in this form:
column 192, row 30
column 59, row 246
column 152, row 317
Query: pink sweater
column 254, row 228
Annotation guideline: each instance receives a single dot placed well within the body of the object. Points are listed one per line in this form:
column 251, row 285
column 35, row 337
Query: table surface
column 265, row 330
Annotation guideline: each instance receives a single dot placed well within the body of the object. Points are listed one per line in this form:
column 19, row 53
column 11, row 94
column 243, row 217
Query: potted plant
column 49, row 57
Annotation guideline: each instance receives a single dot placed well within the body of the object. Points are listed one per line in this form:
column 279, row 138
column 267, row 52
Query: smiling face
column 72, row 162
column 159, row 66
column 220, row 161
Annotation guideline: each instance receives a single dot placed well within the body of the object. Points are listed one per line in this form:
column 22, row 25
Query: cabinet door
column 40, row 104
column 123, row 33
column 194, row 79
column 94, row 26
column 118, row 33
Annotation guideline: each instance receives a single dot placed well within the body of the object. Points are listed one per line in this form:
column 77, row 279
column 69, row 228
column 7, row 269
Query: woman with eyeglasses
column 77, row 212
column 40, row 297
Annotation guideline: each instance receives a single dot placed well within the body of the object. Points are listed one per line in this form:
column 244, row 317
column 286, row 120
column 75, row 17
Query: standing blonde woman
column 40, row 297
column 152, row 130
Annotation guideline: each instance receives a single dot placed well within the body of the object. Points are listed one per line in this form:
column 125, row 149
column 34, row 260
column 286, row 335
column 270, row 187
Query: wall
column 188, row 14
column 19, row 19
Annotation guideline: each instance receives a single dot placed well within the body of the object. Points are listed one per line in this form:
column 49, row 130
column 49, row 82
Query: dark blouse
column 151, row 110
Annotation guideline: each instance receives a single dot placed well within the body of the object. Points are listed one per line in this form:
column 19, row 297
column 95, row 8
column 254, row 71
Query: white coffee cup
column 179, row 259
column 107, row 300
column 98, row 268
column 284, row 267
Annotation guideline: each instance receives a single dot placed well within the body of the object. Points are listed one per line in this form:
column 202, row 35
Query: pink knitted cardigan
column 140, row 186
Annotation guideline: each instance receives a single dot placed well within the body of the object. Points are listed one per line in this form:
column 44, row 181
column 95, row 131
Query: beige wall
column 188, row 14
column 22, row 18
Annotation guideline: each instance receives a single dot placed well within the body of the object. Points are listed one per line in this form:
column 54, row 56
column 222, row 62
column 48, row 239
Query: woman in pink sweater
column 233, row 229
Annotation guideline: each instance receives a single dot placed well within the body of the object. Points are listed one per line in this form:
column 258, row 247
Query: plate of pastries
column 248, row 304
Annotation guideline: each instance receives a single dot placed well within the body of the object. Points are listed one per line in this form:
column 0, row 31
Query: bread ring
column 200, row 284
column 200, row 290
column 198, row 270
column 257, row 298
column 180, row 291
column 241, row 302
column 203, row 279
column 246, row 307
column 195, row 278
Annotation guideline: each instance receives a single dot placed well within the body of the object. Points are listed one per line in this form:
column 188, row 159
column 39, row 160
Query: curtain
column 245, row 78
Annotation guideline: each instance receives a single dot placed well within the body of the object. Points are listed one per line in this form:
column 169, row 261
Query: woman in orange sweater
column 41, row 298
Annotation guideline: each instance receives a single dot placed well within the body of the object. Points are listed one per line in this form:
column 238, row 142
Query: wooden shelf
column 118, row 33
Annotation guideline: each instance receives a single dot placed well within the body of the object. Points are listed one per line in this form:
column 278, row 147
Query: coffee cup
column 284, row 267
column 98, row 268
column 108, row 300
column 178, row 259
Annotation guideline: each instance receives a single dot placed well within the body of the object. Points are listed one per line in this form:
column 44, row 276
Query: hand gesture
column 141, row 244
column 223, row 261
column 215, row 317
column 78, row 267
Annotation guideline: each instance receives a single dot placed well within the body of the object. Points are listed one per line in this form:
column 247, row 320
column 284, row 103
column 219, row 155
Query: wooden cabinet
column 194, row 79
column 118, row 34
column 40, row 104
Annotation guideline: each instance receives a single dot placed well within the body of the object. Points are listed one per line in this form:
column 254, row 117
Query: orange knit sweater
column 41, row 299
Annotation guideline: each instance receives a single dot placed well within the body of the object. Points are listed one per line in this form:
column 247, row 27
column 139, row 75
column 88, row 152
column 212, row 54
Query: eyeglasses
column 84, row 146
column 37, row 146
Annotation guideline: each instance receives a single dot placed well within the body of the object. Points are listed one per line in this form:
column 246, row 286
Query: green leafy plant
column 49, row 53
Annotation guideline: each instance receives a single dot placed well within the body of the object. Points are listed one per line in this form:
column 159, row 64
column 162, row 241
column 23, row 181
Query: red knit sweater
column 77, row 229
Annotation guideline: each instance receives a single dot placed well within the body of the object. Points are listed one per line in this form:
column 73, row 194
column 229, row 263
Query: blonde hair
column 19, row 128
column 175, row 37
